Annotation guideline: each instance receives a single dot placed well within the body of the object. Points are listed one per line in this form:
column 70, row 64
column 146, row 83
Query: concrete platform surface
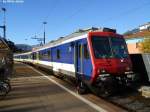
column 33, row 92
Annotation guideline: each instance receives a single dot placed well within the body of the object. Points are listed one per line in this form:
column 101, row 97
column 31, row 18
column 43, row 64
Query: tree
column 145, row 45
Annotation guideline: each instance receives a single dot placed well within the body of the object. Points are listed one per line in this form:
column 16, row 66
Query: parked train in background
column 95, row 57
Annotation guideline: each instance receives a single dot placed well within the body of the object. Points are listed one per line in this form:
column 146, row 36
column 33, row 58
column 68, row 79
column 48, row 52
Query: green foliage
column 145, row 45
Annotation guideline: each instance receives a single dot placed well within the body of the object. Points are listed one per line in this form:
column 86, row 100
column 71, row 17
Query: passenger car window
column 58, row 54
column 86, row 52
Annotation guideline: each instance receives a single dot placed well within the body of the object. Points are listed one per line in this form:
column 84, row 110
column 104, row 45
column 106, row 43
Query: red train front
column 110, row 60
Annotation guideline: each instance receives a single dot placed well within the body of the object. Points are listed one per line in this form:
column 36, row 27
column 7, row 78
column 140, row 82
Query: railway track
column 126, row 98
column 131, row 100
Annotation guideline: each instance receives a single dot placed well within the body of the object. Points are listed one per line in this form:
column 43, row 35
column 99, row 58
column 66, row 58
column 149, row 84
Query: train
column 95, row 57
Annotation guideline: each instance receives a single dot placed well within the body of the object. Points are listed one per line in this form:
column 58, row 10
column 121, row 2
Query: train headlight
column 101, row 71
column 127, row 68
column 104, row 77
column 129, row 76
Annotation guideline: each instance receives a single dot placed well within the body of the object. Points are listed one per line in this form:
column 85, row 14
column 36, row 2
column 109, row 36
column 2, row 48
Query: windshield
column 101, row 47
column 108, row 47
column 119, row 48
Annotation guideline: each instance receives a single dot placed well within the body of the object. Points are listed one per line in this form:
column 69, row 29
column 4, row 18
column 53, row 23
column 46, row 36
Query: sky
column 24, row 18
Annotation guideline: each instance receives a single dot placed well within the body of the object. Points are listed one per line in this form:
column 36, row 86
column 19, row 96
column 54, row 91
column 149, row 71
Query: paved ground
column 31, row 91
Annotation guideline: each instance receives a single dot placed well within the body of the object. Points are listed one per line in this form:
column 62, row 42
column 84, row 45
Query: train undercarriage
column 106, row 85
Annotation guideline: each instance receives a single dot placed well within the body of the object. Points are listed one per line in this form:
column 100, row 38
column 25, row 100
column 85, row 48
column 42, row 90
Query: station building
column 134, row 41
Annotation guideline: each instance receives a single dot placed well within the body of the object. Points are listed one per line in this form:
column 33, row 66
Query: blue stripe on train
column 67, row 56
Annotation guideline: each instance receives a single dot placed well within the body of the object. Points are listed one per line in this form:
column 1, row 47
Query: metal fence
column 139, row 67
column 146, row 59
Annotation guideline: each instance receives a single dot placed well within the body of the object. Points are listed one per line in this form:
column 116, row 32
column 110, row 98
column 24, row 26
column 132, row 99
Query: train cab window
column 58, row 54
column 86, row 52
column 101, row 47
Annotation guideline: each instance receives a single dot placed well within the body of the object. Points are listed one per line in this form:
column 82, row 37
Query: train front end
column 110, row 59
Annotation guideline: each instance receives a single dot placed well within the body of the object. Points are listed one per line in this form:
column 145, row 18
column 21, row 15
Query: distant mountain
column 23, row 47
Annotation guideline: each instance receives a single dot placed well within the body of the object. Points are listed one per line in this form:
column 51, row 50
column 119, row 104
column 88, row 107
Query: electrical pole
column 44, row 23
column 4, row 23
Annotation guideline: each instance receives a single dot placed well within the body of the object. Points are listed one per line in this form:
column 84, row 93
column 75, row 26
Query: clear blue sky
column 24, row 20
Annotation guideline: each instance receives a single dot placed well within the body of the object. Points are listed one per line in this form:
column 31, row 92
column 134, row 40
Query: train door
column 78, row 59
column 83, row 64
column 87, row 64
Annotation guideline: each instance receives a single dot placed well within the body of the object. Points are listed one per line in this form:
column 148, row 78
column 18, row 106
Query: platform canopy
column 3, row 45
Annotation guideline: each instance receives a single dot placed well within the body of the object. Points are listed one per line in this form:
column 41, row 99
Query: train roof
column 77, row 33
column 26, row 53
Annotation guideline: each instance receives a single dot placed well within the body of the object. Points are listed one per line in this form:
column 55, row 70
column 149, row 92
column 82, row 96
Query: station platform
column 34, row 91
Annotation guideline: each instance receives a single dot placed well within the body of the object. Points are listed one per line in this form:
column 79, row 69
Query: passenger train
column 95, row 58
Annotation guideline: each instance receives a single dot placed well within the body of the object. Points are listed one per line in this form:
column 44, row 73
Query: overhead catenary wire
column 129, row 11
column 75, row 13
column 67, row 18
column 37, row 34
column 79, row 10
column 48, row 15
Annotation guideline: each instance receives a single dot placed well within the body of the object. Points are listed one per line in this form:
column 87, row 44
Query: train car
column 24, row 57
column 95, row 57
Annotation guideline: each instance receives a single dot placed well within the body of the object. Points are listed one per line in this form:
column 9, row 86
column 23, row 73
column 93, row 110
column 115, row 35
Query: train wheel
column 81, row 88
column 106, row 90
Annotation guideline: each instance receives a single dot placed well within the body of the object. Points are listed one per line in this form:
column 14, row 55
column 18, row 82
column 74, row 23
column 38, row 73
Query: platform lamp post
column 44, row 23
column 4, row 23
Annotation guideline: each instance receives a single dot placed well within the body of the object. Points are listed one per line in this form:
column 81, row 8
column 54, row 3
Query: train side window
column 86, row 52
column 49, row 54
column 33, row 56
column 37, row 55
column 41, row 55
column 80, row 50
column 58, row 54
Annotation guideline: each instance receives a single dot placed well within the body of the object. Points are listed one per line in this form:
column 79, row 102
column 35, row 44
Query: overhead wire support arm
column 38, row 39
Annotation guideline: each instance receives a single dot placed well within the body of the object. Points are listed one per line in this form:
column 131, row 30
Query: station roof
column 3, row 44
column 140, row 34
